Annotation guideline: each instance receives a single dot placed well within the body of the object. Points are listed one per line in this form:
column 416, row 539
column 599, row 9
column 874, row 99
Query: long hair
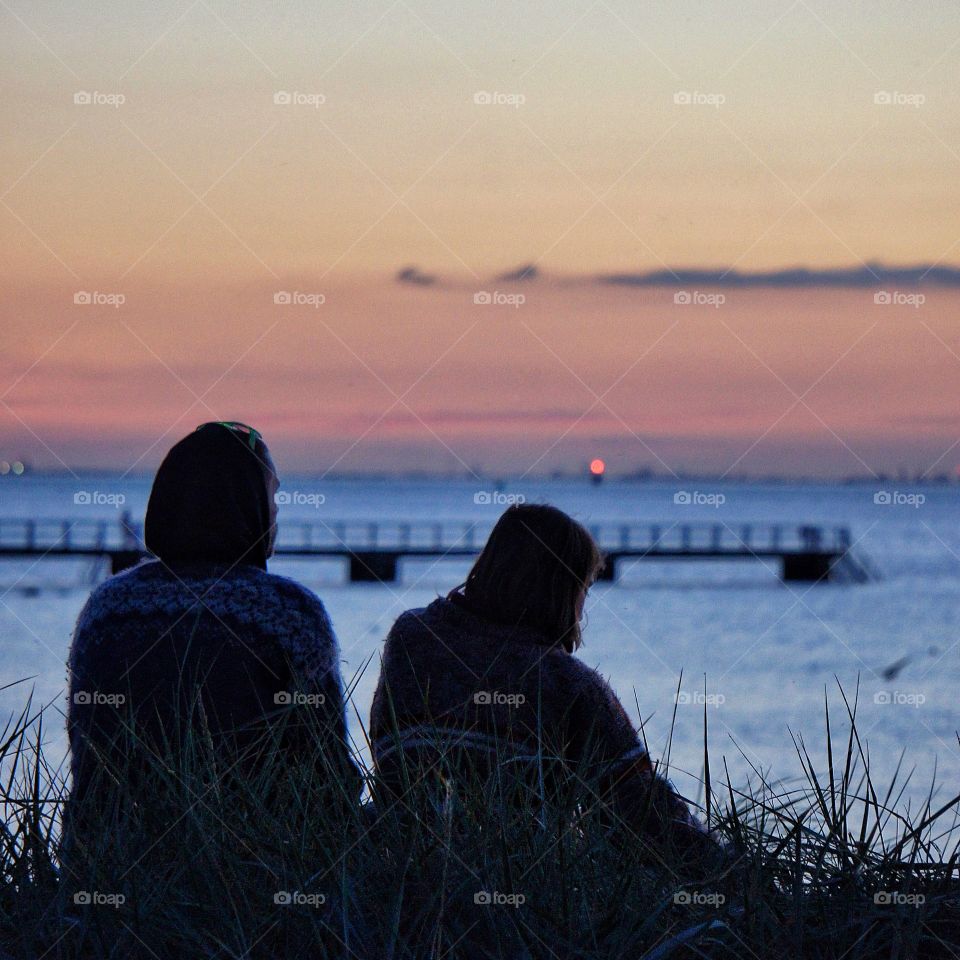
column 533, row 571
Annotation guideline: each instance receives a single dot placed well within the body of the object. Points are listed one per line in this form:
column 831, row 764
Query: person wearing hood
column 200, row 637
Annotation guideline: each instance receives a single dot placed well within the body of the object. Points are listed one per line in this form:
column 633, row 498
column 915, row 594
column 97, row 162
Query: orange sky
column 815, row 133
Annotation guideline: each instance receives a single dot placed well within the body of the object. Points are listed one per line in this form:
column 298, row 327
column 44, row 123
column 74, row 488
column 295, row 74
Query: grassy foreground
column 273, row 866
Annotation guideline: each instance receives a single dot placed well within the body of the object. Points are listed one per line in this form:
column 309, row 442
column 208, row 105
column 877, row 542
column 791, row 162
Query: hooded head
column 213, row 499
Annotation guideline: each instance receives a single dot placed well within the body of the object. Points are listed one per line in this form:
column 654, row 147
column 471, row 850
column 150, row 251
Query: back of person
column 202, row 647
column 221, row 653
column 487, row 675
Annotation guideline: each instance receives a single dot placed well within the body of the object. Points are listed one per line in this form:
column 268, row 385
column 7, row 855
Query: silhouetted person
column 487, row 675
column 200, row 645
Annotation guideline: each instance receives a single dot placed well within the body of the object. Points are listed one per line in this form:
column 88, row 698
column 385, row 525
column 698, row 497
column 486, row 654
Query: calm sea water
column 767, row 651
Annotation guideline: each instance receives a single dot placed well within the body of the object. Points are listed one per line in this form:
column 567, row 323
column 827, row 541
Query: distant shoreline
column 632, row 478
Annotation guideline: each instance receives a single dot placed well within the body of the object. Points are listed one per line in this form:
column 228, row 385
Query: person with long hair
column 488, row 675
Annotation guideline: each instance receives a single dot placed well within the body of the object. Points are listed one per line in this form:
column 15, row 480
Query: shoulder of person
column 411, row 629
column 301, row 626
column 117, row 594
column 294, row 593
column 589, row 684
column 413, row 621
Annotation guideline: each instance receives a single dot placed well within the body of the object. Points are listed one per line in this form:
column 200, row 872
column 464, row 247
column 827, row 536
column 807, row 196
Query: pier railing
column 807, row 551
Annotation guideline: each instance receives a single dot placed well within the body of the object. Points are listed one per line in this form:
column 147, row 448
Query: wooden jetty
column 373, row 550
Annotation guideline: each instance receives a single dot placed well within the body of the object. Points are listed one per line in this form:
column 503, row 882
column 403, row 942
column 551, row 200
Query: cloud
column 415, row 276
column 868, row 275
column 528, row 271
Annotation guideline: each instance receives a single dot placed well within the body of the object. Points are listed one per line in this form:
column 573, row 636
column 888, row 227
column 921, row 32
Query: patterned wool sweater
column 450, row 676
column 256, row 646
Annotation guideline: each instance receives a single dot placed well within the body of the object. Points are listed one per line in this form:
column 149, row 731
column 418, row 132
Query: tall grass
column 196, row 860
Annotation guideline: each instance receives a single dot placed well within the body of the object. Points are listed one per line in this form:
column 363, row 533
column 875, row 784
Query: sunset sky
column 186, row 165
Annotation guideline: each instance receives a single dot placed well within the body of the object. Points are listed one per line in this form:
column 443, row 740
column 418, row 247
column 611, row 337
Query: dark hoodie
column 203, row 636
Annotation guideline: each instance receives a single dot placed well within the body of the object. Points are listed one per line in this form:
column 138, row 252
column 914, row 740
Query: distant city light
column 17, row 467
column 4, row 468
column 597, row 467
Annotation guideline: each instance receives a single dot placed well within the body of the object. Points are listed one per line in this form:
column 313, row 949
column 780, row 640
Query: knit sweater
column 256, row 647
column 505, row 692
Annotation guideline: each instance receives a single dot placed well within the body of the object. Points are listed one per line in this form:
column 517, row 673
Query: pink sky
column 196, row 160
column 382, row 375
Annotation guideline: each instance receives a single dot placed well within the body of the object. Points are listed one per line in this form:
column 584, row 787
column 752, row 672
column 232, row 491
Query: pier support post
column 608, row 572
column 373, row 567
column 806, row 567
